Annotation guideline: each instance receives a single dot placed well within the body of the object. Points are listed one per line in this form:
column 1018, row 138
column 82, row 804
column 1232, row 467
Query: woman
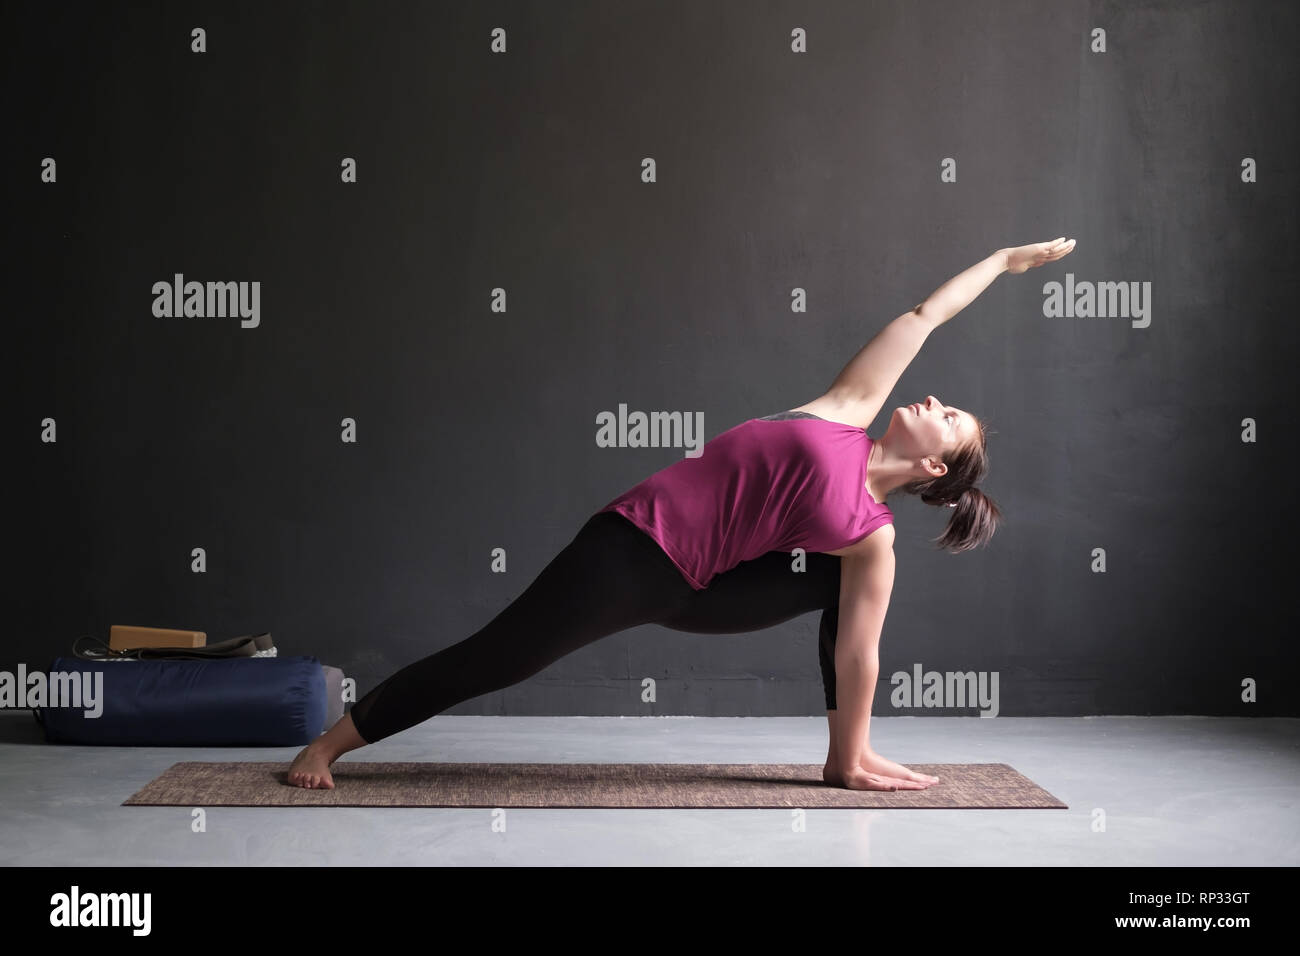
column 778, row 516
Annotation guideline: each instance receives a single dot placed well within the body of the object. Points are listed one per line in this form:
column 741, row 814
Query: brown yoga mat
column 962, row 786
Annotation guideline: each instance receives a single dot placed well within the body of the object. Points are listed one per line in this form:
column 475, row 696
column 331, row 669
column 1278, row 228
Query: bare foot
column 311, row 769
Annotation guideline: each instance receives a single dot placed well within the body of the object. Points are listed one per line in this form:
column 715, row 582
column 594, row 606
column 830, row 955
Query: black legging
column 610, row 577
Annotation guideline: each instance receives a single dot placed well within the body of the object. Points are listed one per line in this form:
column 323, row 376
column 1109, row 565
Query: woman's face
column 930, row 429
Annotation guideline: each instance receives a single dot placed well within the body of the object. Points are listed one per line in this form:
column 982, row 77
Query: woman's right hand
column 859, row 779
column 1036, row 254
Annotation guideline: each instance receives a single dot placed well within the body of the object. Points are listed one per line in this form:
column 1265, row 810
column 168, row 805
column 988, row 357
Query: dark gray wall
column 776, row 170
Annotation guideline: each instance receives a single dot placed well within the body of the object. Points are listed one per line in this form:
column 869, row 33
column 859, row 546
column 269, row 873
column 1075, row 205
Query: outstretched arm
column 864, row 384
column 961, row 290
column 871, row 375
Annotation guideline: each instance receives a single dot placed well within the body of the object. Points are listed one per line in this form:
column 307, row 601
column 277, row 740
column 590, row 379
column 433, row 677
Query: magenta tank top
column 767, row 484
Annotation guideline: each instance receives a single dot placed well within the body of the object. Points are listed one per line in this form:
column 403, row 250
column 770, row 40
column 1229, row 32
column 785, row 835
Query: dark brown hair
column 975, row 517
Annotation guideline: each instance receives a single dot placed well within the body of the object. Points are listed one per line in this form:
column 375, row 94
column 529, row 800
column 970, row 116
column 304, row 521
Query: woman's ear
column 934, row 468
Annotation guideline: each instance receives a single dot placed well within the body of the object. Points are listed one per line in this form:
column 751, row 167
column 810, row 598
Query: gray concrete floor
column 1174, row 791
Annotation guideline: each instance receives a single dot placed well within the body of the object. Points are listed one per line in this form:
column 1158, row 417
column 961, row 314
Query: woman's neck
column 886, row 471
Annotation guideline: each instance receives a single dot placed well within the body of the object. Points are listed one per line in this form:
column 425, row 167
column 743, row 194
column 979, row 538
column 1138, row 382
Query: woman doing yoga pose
column 705, row 545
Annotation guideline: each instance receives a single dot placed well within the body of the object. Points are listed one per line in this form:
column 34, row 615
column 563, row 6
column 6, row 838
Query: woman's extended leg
column 610, row 577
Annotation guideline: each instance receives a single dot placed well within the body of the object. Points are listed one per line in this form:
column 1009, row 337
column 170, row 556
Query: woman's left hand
column 1021, row 258
column 872, row 762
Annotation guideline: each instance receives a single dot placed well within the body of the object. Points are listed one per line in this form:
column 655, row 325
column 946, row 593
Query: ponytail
column 974, row 516
column 974, row 519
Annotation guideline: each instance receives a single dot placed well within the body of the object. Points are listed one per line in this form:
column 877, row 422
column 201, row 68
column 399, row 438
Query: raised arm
column 864, row 384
